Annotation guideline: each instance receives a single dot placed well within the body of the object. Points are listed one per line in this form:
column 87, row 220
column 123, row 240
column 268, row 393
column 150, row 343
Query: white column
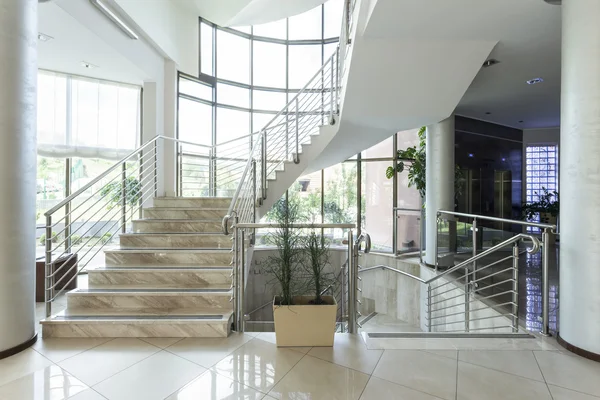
column 580, row 176
column 170, row 104
column 439, row 193
column 18, row 102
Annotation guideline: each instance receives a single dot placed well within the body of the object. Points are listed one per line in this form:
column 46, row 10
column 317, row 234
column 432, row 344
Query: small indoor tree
column 318, row 265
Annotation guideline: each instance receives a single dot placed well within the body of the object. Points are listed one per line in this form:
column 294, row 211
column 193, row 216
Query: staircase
column 171, row 277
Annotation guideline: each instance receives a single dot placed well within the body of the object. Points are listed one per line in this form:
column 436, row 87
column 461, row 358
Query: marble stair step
column 175, row 240
column 185, row 213
column 183, row 257
column 187, row 202
column 108, row 323
column 160, row 278
column 149, row 299
column 176, row 226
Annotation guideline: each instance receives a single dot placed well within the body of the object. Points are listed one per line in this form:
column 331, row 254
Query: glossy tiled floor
column 250, row 366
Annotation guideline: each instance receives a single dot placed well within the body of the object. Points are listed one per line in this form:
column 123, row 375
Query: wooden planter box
column 304, row 324
column 40, row 274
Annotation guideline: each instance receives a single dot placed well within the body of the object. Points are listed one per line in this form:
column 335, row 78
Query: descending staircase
column 171, row 277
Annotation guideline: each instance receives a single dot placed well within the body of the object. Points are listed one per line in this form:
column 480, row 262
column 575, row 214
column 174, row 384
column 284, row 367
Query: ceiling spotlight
column 535, row 81
column 88, row 65
column 487, row 113
column 489, row 63
column 554, row 2
column 521, row 121
column 43, row 37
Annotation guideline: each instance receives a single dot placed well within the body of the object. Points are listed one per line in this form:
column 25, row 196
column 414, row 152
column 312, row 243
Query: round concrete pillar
column 579, row 289
column 439, row 185
column 18, row 100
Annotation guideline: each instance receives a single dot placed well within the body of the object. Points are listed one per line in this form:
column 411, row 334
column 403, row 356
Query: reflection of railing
column 420, row 214
column 445, row 308
column 348, row 277
column 447, row 217
column 97, row 213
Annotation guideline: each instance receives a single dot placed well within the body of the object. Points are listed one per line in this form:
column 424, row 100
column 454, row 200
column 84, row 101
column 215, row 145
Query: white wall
column 170, row 27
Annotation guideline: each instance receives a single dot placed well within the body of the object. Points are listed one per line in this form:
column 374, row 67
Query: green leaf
column 389, row 172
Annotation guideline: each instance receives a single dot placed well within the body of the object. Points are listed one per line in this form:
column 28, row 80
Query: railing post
column 263, row 165
column 467, row 299
column 68, row 206
column 155, row 167
column 242, row 281
column 429, row 307
column 180, row 169
column 352, row 289
column 234, row 279
column 254, row 198
column 297, row 154
column 545, row 281
column 48, row 279
column 474, row 248
column 343, row 290
column 124, row 197
column 337, row 79
column 435, row 242
column 331, row 97
column 515, row 294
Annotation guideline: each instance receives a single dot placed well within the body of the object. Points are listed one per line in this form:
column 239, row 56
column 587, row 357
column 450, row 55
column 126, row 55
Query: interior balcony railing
column 83, row 224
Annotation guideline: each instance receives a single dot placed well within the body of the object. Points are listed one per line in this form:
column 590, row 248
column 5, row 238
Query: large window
column 541, row 173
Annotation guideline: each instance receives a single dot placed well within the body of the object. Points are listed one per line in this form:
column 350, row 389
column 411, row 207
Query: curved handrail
column 496, row 219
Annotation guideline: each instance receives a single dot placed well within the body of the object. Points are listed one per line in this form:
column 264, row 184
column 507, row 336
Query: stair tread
column 148, row 315
column 151, row 268
column 187, row 267
column 186, row 234
column 118, row 291
column 190, row 208
column 177, row 220
column 168, row 250
column 138, row 288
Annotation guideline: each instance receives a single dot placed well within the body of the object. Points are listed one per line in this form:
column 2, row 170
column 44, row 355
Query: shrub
column 43, row 238
column 76, row 240
column 107, row 237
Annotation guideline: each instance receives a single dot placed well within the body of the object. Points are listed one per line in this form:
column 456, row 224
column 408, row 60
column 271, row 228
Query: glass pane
column 232, row 124
column 233, row 95
column 305, row 61
column 195, row 122
column 378, row 191
column 260, row 120
column 269, row 64
column 306, row 192
column 233, row 57
column 334, row 10
column 52, row 108
column 270, row 101
column 206, row 49
column 329, row 49
column 306, row 25
column 340, row 193
column 196, row 89
column 271, row 30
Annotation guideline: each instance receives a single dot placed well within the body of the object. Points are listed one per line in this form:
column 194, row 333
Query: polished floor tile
column 208, row 351
column 409, row 344
column 521, row 363
column 50, row 383
column 453, row 354
column 419, row 370
column 379, row 389
column 102, row 362
column 153, row 378
column 161, row 342
column 476, row 383
column 212, row 386
column 258, row 364
column 270, row 337
column 21, row 364
column 59, row 349
column 570, row 371
column 349, row 351
column 316, row 379
column 88, row 394
column 559, row 393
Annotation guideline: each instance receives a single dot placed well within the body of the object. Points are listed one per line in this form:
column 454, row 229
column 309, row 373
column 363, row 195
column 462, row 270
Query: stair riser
column 114, row 330
column 150, row 226
column 216, row 241
column 147, row 302
column 192, row 279
column 187, row 259
column 187, row 202
column 184, row 214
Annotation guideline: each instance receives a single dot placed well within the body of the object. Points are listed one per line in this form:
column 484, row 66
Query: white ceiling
column 76, row 38
column 529, row 39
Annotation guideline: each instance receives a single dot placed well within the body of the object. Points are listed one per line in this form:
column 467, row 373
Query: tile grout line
column 497, row 370
column 84, row 351
column 371, row 374
column 286, row 374
column 543, row 376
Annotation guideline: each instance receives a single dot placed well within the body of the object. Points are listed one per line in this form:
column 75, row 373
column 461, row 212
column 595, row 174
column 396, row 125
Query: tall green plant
column 114, row 192
column 318, row 265
column 289, row 279
column 416, row 158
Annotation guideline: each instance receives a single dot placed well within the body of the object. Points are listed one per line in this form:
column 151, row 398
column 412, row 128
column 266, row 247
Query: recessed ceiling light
column 554, row 2
column 489, row 63
column 535, row 81
column 487, row 113
column 86, row 64
column 521, row 121
column 43, row 37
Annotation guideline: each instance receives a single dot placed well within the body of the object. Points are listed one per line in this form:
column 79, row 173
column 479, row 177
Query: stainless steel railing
column 79, row 227
column 281, row 139
column 449, row 302
column 448, row 218
column 348, row 277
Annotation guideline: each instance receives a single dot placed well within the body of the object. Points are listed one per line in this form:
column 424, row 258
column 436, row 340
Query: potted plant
column 547, row 207
column 302, row 315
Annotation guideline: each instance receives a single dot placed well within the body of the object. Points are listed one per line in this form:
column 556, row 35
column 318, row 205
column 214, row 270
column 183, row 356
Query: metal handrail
column 244, row 225
column 496, row 219
column 385, row 267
